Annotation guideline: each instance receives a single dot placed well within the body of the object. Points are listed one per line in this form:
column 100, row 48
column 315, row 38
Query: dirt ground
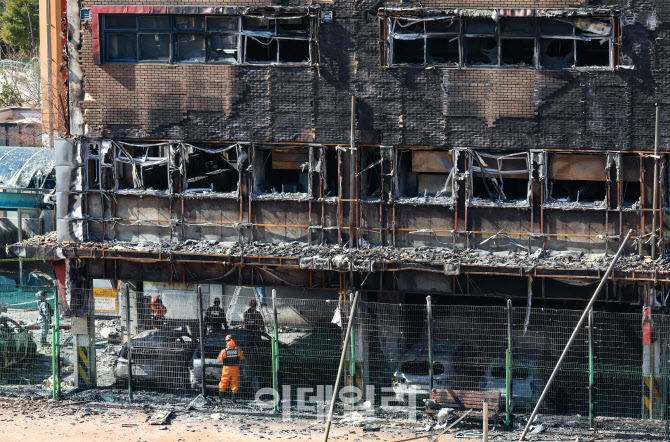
column 29, row 419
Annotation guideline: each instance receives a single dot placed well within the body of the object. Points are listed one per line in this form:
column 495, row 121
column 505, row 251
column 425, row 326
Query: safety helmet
column 229, row 338
column 41, row 294
column 253, row 303
column 155, row 302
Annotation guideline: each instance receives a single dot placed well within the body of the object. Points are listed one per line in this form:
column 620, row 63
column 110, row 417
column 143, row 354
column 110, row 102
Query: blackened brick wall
column 483, row 108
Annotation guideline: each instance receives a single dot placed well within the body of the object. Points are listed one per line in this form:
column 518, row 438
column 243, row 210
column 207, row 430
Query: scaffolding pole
column 588, row 308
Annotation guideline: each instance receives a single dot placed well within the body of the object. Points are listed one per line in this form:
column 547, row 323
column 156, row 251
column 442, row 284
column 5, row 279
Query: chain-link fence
column 26, row 336
column 293, row 346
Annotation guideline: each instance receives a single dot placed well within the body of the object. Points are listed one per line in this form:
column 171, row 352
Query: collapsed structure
column 394, row 149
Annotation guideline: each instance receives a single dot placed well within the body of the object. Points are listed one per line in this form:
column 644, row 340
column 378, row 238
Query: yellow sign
column 106, row 300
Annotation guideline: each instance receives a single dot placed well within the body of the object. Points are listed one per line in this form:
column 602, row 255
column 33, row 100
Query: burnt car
column 527, row 383
column 412, row 376
column 255, row 369
column 160, row 358
column 17, row 347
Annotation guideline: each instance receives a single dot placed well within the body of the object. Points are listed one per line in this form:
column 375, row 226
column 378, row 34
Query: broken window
column 494, row 178
column 93, row 165
column 425, row 174
column 276, row 40
column 580, row 179
column 142, row 167
column 211, row 170
column 370, row 174
column 207, row 39
column 480, row 42
column 330, row 168
column 513, row 42
column 570, row 43
column 425, row 41
column 629, row 179
column 281, row 170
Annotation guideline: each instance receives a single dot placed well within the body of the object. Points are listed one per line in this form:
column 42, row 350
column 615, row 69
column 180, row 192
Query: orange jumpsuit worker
column 230, row 357
column 158, row 311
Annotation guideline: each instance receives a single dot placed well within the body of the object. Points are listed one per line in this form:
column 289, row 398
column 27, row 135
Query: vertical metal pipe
column 275, row 352
column 352, row 357
column 50, row 97
column 429, row 320
column 20, row 223
column 201, row 326
column 352, row 175
column 339, row 369
column 591, row 372
column 130, row 343
column 56, row 343
column 655, row 203
column 588, row 308
column 508, row 365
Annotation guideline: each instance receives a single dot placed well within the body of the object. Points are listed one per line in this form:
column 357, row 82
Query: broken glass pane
column 517, row 26
column 517, row 51
column 191, row 47
column 442, row 50
column 447, row 25
column 593, row 53
column 120, row 47
column 408, row 27
column 223, row 48
column 293, row 51
column 261, row 49
column 293, row 26
column 153, row 22
column 258, row 24
column 222, row 23
column 556, row 53
column 481, row 50
column 189, row 22
column 555, row 27
column 480, row 26
column 408, row 51
column 120, row 21
column 155, row 47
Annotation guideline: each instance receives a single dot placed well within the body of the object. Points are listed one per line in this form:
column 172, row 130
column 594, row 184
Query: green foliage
column 19, row 24
column 10, row 96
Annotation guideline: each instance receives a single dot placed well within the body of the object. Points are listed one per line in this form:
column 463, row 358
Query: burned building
column 494, row 150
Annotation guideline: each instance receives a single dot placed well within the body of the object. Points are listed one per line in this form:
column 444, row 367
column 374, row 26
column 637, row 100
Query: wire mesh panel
column 539, row 336
column 618, row 364
column 26, row 321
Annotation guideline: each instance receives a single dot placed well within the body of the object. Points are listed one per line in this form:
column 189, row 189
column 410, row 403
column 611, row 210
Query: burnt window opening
column 233, row 39
column 518, row 52
column 425, row 174
column 499, row 178
column 141, row 167
column 480, row 42
column 577, row 179
column 281, row 170
column 512, row 42
column 630, row 182
column 370, row 174
column 93, row 165
column 330, row 173
column 211, row 170
column 276, row 40
column 425, row 41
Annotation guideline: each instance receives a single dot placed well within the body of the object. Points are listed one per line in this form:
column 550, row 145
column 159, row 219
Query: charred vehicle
column 527, row 384
column 412, row 376
column 255, row 369
column 17, row 347
column 160, row 358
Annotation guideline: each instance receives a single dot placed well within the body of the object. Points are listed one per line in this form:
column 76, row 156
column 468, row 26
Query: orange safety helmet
column 155, row 302
column 229, row 338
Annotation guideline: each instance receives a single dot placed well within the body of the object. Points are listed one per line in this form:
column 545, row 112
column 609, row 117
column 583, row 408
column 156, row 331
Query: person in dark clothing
column 252, row 318
column 215, row 317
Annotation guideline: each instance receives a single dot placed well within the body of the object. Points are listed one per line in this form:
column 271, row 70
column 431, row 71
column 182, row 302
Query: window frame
column 536, row 34
column 241, row 34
